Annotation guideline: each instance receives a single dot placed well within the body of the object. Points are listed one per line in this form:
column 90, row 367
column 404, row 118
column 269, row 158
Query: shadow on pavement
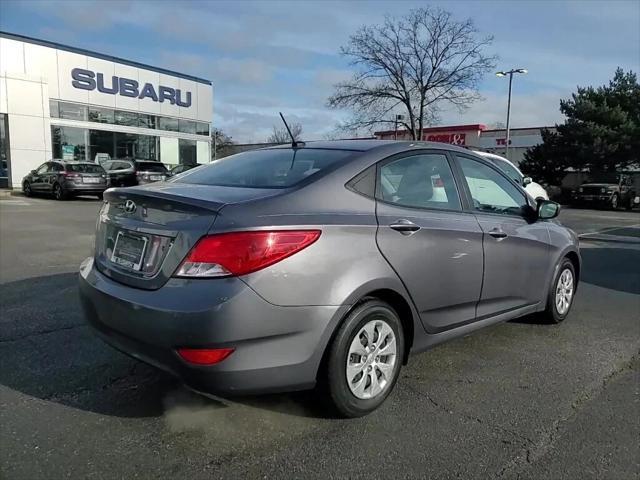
column 48, row 352
column 613, row 268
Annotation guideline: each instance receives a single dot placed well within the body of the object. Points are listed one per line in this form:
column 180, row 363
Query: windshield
column 274, row 168
column 151, row 167
column 604, row 178
column 84, row 168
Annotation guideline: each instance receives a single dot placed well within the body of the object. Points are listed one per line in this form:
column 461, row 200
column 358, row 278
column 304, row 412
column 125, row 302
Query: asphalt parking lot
column 518, row 400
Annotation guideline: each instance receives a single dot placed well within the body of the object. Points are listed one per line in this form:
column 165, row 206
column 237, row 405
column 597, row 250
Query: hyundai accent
column 322, row 264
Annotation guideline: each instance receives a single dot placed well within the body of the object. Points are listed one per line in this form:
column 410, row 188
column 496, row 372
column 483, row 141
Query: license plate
column 90, row 180
column 128, row 250
column 156, row 178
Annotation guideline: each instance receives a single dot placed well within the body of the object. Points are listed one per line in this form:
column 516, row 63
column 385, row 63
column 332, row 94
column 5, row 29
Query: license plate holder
column 156, row 178
column 129, row 250
column 90, row 180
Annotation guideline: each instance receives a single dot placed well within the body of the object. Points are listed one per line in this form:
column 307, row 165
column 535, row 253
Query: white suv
column 532, row 188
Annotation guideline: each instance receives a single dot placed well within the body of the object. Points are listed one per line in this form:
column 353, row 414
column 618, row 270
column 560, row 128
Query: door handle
column 404, row 226
column 497, row 233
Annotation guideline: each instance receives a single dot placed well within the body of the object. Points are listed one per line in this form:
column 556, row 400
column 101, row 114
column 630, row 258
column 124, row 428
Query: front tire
column 614, row 202
column 365, row 359
column 26, row 189
column 561, row 293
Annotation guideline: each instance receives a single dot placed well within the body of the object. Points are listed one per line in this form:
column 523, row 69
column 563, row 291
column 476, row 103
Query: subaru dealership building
column 62, row 102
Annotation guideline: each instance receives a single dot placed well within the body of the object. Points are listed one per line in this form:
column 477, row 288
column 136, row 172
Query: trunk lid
column 143, row 233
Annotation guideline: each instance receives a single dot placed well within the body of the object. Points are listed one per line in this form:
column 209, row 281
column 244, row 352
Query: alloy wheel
column 564, row 291
column 371, row 359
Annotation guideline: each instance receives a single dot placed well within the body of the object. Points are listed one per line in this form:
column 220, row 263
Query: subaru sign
column 88, row 80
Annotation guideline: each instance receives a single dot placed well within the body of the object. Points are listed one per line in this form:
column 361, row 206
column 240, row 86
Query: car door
column 516, row 248
column 39, row 177
column 432, row 244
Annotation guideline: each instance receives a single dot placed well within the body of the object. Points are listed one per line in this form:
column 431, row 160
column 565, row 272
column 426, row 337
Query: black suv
column 63, row 179
column 611, row 191
column 126, row 173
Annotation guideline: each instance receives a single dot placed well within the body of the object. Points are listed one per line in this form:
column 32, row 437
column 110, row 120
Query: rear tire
column 561, row 293
column 369, row 348
column 59, row 193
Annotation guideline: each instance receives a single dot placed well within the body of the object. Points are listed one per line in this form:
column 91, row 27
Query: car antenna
column 294, row 144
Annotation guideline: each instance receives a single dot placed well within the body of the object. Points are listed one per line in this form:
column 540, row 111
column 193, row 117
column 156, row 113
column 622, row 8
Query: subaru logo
column 129, row 206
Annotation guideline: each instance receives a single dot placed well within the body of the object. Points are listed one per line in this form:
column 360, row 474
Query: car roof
column 371, row 144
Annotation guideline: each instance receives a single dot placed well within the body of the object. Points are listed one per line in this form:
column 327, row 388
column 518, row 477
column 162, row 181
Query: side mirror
column 526, row 181
column 32, row 172
column 548, row 209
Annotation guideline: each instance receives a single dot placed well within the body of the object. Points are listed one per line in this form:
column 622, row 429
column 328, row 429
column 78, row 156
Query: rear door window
column 271, row 168
column 420, row 181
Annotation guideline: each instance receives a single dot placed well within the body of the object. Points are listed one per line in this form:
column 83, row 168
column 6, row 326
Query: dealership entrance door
column 5, row 154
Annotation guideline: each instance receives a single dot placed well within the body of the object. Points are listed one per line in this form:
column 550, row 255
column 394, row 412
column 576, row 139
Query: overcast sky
column 263, row 57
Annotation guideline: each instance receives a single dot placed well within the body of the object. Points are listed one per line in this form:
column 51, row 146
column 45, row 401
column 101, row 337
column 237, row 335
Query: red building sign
column 452, row 138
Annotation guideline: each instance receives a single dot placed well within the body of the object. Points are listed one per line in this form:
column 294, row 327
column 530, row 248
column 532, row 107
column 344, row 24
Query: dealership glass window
column 147, row 121
column 69, row 142
column 101, row 115
column 168, row 123
column 137, row 147
column 101, row 145
column 129, row 119
column 72, row 111
column 188, row 152
column 202, row 128
column 187, row 126
column 54, row 111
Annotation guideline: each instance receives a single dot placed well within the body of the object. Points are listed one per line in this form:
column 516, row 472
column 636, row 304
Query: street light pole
column 504, row 74
column 395, row 131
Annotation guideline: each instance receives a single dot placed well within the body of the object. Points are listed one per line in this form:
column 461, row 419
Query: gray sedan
column 325, row 264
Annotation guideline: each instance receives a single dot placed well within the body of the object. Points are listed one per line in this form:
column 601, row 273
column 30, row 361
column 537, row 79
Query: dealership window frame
column 183, row 125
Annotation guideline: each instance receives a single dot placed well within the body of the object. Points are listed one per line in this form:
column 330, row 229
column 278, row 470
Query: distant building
column 479, row 137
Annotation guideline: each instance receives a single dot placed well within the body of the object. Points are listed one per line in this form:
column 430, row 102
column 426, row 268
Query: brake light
column 71, row 175
column 204, row 356
column 239, row 253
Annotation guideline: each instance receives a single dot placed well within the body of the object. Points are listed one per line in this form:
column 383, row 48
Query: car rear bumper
column 86, row 188
column 276, row 348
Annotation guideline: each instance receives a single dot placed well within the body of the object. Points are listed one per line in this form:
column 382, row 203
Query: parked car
column 63, row 179
column 125, row 173
column 532, row 188
column 607, row 190
column 178, row 169
column 329, row 263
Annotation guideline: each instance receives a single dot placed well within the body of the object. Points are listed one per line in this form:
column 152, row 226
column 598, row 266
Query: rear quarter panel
column 333, row 270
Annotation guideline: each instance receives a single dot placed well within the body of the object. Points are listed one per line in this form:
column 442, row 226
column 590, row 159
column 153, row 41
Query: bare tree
column 413, row 66
column 221, row 143
column 280, row 135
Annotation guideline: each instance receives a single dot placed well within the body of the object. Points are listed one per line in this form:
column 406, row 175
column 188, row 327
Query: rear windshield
column 151, row 167
column 84, row 168
column 275, row 168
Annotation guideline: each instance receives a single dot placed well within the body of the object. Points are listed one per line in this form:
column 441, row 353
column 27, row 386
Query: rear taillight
column 239, row 253
column 71, row 175
column 204, row 356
